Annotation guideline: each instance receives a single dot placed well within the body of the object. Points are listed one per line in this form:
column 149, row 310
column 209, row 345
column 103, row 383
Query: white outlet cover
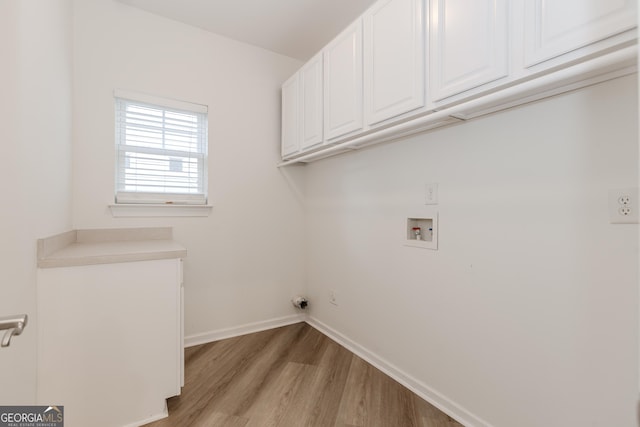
column 624, row 206
column 333, row 297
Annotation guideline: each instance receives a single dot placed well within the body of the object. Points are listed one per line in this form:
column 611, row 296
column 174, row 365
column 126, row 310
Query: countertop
column 108, row 246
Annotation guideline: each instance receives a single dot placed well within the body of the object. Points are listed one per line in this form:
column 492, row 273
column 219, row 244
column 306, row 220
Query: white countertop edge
column 146, row 247
column 110, row 259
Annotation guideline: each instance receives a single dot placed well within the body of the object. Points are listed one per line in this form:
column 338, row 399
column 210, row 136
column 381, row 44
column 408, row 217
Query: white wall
column 35, row 130
column 527, row 315
column 244, row 261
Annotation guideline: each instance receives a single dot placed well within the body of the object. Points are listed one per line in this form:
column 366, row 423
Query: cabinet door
column 109, row 333
column 557, row 27
column 468, row 42
column 290, row 117
column 311, row 103
column 343, row 83
column 394, row 52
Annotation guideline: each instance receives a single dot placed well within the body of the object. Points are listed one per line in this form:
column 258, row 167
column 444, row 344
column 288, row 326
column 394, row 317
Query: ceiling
column 295, row 28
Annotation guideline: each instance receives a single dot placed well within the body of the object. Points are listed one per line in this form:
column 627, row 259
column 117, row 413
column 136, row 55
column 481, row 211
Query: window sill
column 127, row 210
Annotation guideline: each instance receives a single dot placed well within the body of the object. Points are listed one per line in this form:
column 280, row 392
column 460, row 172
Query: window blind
column 161, row 153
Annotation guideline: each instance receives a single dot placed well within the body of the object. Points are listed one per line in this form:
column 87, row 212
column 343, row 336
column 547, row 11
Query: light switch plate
column 431, row 194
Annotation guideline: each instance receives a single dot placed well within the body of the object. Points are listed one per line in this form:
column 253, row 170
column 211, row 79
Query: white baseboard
column 220, row 334
column 441, row 402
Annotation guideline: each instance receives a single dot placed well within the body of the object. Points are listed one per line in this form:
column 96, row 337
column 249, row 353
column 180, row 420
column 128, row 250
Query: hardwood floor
column 291, row 377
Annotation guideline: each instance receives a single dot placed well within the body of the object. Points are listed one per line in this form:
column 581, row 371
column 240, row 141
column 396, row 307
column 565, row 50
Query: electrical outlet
column 333, row 297
column 623, row 206
column 625, row 199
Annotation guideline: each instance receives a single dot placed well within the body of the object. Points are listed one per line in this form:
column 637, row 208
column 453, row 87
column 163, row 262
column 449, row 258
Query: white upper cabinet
column 310, row 76
column 468, row 45
column 394, row 59
column 290, row 117
column 557, row 27
column 407, row 66
column 343, row 83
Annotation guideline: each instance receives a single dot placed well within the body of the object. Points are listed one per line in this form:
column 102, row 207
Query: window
column 161, row 151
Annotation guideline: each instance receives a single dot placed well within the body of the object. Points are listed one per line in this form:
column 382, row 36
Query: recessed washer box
column 421, row 231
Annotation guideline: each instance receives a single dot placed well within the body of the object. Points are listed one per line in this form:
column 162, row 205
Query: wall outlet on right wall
column 333, row 297
column 623, row 206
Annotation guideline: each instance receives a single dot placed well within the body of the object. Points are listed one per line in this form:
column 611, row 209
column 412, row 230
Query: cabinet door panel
column 290, row 110
column 343, row 83
column 311, row 103
column 468, row 42
column 394, row 52
column 109, row 333
column 556, row 27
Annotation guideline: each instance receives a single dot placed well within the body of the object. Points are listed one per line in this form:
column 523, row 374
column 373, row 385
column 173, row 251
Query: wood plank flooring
column 291, row 377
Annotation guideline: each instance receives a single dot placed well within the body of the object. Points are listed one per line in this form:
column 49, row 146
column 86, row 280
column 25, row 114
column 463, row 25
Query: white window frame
column 189, row 194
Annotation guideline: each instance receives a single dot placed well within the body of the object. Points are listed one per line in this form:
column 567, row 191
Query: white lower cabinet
column 468, row 45
column 343, row 83
column 558, row 27
column 110, row 340
column 394, row 59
